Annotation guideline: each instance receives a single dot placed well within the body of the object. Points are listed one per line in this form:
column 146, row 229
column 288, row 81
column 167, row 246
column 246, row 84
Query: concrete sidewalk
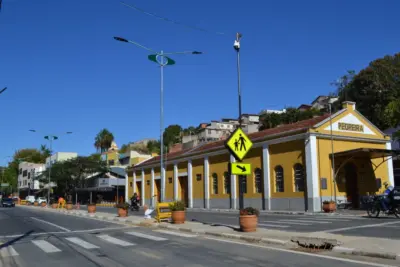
column 372, row 247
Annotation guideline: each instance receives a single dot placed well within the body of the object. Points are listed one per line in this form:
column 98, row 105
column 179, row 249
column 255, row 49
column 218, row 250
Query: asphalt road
column 383, row 227
column 61, row 240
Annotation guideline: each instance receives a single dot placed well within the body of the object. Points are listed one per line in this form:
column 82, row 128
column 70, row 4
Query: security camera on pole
column 238, row 143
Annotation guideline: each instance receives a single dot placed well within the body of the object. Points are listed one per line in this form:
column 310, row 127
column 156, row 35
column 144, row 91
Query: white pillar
column 175, row 182
column 313, row 197
column 152, row 188
column 162, row 184
column 233, row 187
column 390, row 165
column 142, row 185
column 190, row 184
column 126, row 187
column 206, row 183
column 134, row 182
column 267, row 178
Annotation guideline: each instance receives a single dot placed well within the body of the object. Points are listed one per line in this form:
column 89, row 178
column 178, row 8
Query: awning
column 371, row 153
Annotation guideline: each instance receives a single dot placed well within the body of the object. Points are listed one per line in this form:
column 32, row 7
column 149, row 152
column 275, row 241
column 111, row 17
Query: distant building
column 60, row 156
column 322, row 102
column 27, row 174
column 395, row 144
column 267, row 111
column 304, row 107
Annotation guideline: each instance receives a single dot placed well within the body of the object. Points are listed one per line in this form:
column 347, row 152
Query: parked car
column 30, row 199
column 41, row 199
column 7, row 202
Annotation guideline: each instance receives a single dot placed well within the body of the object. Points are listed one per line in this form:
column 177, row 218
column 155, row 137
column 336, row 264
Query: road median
column 349, row 245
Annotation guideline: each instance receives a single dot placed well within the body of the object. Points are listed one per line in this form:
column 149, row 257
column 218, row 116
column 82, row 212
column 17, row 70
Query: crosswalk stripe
column 274, row 225
column 45, row 246
column 8, row 251
column 294, row 223
column 81, row 243
column 174, row 233
column 332, row 220
column 304, row 221
column 116, row 241
column 151, row 237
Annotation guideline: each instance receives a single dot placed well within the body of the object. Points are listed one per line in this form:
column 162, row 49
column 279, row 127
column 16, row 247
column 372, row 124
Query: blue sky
column 65, row 72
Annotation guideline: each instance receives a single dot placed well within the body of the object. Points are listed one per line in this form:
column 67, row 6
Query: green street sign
column 5, row 184
column 169, row 60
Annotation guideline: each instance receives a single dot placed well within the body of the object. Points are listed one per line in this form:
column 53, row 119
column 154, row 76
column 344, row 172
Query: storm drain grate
column 311, row 244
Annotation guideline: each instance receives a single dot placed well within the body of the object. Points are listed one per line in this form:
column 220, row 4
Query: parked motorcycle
column 374, row 205
column 134, row 206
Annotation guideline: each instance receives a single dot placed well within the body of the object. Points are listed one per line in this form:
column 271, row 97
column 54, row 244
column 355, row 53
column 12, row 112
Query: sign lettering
column 351, row 127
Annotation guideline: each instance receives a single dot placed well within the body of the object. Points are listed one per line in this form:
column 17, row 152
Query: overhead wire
column 170, row 20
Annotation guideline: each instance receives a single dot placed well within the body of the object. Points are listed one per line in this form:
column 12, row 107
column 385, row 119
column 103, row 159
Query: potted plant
column 36, row 203
column 69, row 205
column 248, row 219
column 177, row 212
column 43, row 204
column 122, row 209
column 54, row 205
column 91, row 208
column 329, row 206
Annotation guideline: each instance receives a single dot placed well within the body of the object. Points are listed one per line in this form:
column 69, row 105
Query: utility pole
column 236, row 46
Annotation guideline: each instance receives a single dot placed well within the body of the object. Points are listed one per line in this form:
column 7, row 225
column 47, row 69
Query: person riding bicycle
column 385, row 201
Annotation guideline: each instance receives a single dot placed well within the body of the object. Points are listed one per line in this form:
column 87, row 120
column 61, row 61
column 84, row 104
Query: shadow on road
column 217, row 224
column 12, row 241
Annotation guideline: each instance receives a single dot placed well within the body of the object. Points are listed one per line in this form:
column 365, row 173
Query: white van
column 30, row 199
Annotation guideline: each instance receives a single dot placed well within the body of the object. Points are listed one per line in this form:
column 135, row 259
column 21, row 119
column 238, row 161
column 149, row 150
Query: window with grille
column 227, row 183
column 198, row 177
column 258, row 180
column 298, row 178
column 279, row 182
column 215, row 183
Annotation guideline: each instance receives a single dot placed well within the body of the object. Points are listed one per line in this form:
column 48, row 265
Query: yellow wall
column 169, row 187
column 286, row 155
column 147, row 190
column 134, row 161
column 254, row 157
column 366, row 175
column 198, row 186
column 219, row 165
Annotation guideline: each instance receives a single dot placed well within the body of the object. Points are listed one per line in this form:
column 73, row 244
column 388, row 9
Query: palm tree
column 103, row 140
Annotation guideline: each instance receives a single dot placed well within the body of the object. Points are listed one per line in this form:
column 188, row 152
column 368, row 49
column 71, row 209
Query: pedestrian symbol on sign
column 239, row 144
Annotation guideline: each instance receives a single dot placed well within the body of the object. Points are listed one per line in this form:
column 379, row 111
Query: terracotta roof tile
column 305, row 124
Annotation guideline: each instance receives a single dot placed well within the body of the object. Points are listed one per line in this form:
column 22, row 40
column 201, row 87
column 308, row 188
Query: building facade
column 27, row 172
column 60, row 156
column 291, row 167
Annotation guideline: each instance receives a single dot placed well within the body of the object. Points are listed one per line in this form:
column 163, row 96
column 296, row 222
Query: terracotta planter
column 54, row 205
column 122, row 212
column 69, row 206
column 248, row 223
column 329, row 207
column 43, row 204
column 178, row 217
column 35, row 203
column 91, row 208
column 145, row 207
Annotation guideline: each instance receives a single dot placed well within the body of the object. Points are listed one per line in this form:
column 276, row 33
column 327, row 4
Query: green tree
column 292, row 115
column 73, row 173
column 103, row 140
column 153, row 147
column 172, row 135
column 376, row 89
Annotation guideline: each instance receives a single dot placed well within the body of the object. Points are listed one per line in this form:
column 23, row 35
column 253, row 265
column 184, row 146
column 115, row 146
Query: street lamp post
column 50, row 138
column 162, row 59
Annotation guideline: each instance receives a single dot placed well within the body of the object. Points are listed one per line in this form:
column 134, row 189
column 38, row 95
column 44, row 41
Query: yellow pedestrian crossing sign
column 238, row 168
column 239, row 144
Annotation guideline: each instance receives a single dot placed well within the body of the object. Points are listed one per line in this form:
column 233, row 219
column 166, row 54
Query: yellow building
column 291, row 167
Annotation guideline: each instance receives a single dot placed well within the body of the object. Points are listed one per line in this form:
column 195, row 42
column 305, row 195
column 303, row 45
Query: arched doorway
column 352, row 191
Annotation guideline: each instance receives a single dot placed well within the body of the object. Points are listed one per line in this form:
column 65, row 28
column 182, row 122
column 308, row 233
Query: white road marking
column 174, row 233
column 332, row 220
column 45, row 246
column 151, row 237
column 76, row 231
column 81, row 243
column 295, row 223
column 8, row 251
column 274, row 225
column 304, row 221
column 116, row 241
column 364, row 263
column 52, row 224
column 358, row 227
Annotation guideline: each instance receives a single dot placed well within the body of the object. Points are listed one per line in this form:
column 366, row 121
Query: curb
column 265, row 212
column 373, row 254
